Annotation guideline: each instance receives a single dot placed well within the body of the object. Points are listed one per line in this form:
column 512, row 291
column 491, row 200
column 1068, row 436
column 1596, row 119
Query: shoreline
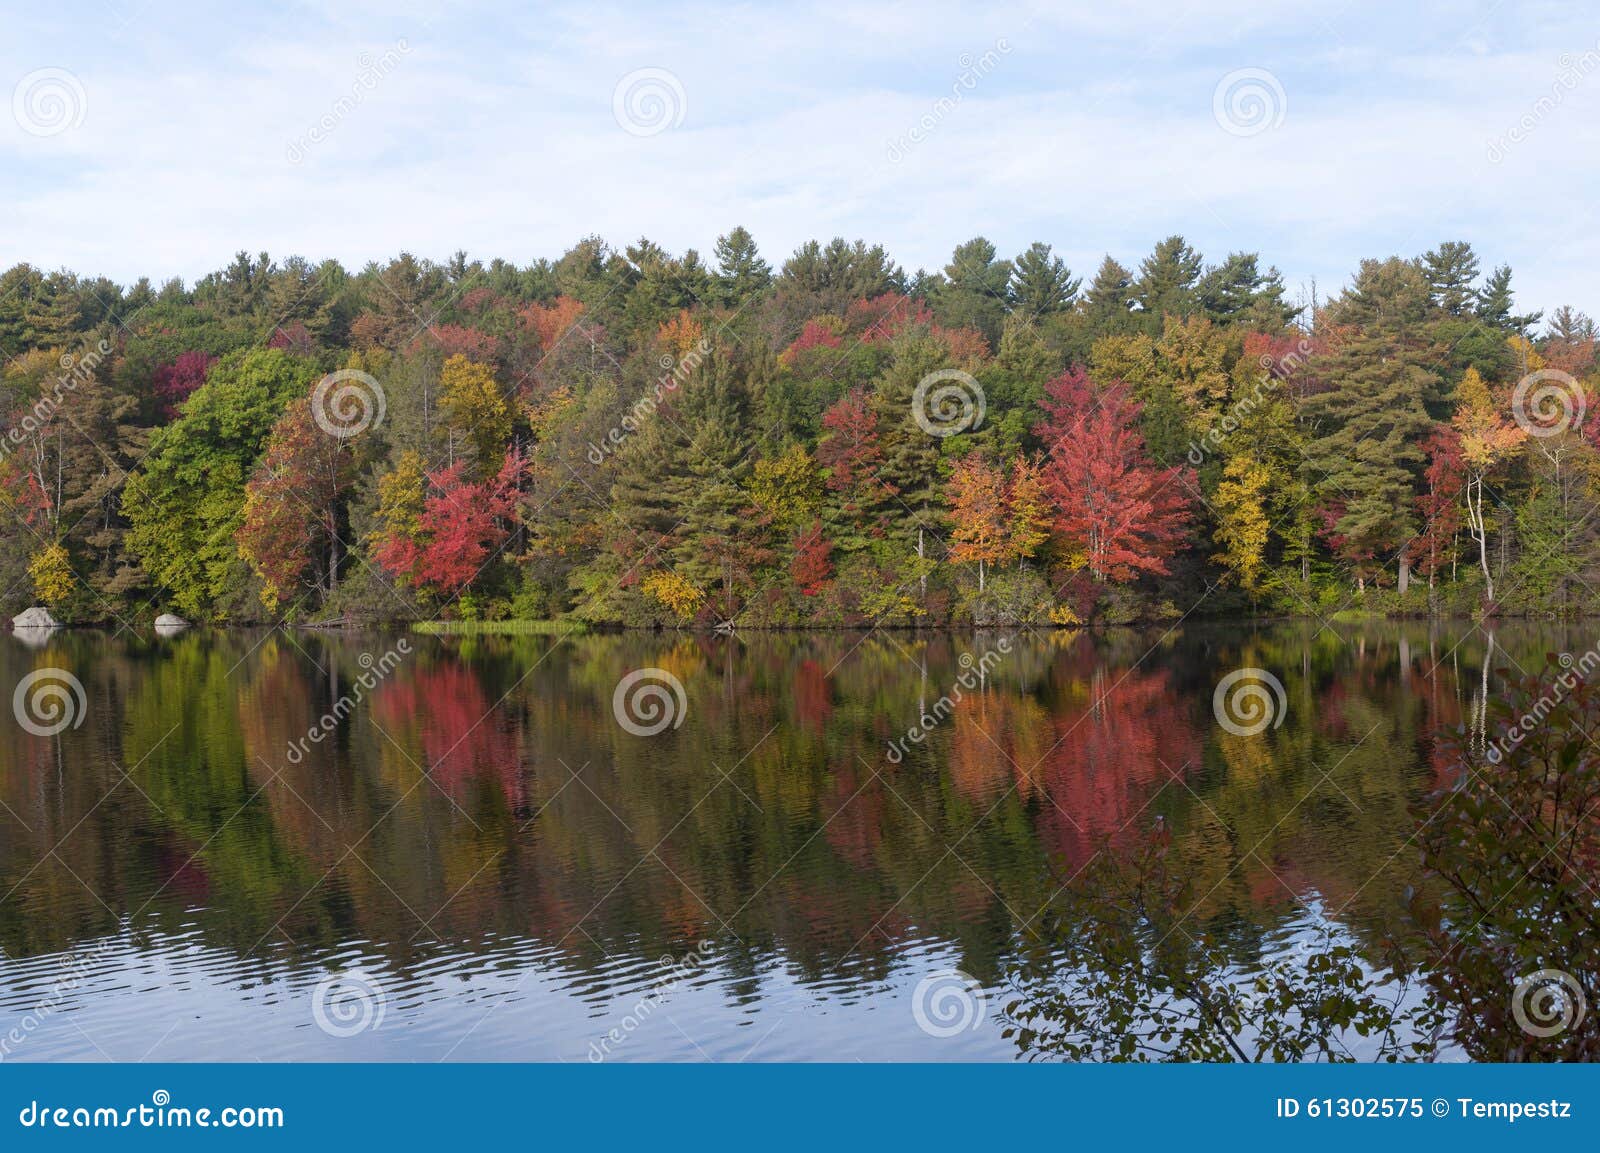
column 570, row 628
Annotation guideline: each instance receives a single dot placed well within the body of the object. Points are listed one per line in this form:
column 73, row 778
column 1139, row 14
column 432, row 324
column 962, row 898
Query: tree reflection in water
column 481, row 801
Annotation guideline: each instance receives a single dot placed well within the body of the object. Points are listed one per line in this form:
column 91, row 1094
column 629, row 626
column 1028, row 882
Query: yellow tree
column 977, row 495
column 477, row 409
column 1242, row 522
column 52, row 574
column 788, row 487
column 1028, row 513
column 672, row 590
column 1486, row 439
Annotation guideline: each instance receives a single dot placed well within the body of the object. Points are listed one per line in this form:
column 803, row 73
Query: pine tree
column 1496, row 301
column 1366, row 454
column 1569, row 326
column 741, row 273
column 1041, row 283
column 1107, row 306
column 1452, row 268
column 1238, row 292
column 1167, row 281
column 977, row 289
column 909, row 464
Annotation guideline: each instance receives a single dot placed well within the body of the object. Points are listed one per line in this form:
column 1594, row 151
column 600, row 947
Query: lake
column 293, row 845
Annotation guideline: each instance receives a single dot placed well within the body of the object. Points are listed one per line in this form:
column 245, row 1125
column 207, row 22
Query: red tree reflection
column 461, row 737
column 1113, row 753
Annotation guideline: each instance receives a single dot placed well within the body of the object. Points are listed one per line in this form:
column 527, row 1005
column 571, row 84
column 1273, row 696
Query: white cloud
column 1094, row 131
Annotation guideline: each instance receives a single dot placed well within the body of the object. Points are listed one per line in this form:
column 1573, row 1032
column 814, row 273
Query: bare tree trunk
column 333, row 553
column 1479, row 532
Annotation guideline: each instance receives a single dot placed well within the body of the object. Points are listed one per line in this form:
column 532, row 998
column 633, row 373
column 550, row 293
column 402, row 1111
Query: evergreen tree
column 1495, row 304
column 1569, row 326
column 1041, row 283
column 1452, row 269
column 1167, row 283
column 976, row 292
column 1104, row 309
column 1238, row 292
column 741, row 273
column 909, row 464
column 1366, row 451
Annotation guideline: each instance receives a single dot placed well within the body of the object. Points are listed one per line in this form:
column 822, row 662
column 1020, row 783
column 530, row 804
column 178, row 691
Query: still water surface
column 499, row 870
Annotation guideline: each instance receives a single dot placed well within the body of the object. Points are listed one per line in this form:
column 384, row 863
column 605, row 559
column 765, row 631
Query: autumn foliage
column 1127, row 515
column 459, row 526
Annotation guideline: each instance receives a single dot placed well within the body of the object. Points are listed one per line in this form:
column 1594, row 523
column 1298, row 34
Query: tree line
column 624, row 436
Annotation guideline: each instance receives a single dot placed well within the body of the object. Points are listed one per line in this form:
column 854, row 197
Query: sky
column 157, row 140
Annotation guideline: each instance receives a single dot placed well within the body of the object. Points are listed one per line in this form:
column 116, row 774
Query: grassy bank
column 499, row 628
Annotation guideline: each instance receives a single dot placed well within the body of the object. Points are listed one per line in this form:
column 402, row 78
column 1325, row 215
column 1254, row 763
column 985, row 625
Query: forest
column 624, row 437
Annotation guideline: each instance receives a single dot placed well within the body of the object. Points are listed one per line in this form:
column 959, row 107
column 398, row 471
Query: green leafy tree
column 185, row 505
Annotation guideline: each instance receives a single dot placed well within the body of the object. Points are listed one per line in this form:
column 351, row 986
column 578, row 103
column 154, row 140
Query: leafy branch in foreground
column 1516, row 842
column 1117, row 971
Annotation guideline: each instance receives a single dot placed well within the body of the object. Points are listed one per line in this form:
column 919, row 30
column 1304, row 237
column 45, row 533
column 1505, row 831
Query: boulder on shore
column 38, row 617
column 170, row 624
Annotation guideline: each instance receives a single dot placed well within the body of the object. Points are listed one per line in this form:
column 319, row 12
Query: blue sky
column 355, row 130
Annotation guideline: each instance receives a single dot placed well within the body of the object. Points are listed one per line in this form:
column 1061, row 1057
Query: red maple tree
column 174, row 382
column 1440, row 502
column 849, row 447
column 1127, row 514
column 812, row 566
column 460, row 525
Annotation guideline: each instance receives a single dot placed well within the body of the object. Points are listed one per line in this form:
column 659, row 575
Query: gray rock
column 38, row 617
column 170, row 625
